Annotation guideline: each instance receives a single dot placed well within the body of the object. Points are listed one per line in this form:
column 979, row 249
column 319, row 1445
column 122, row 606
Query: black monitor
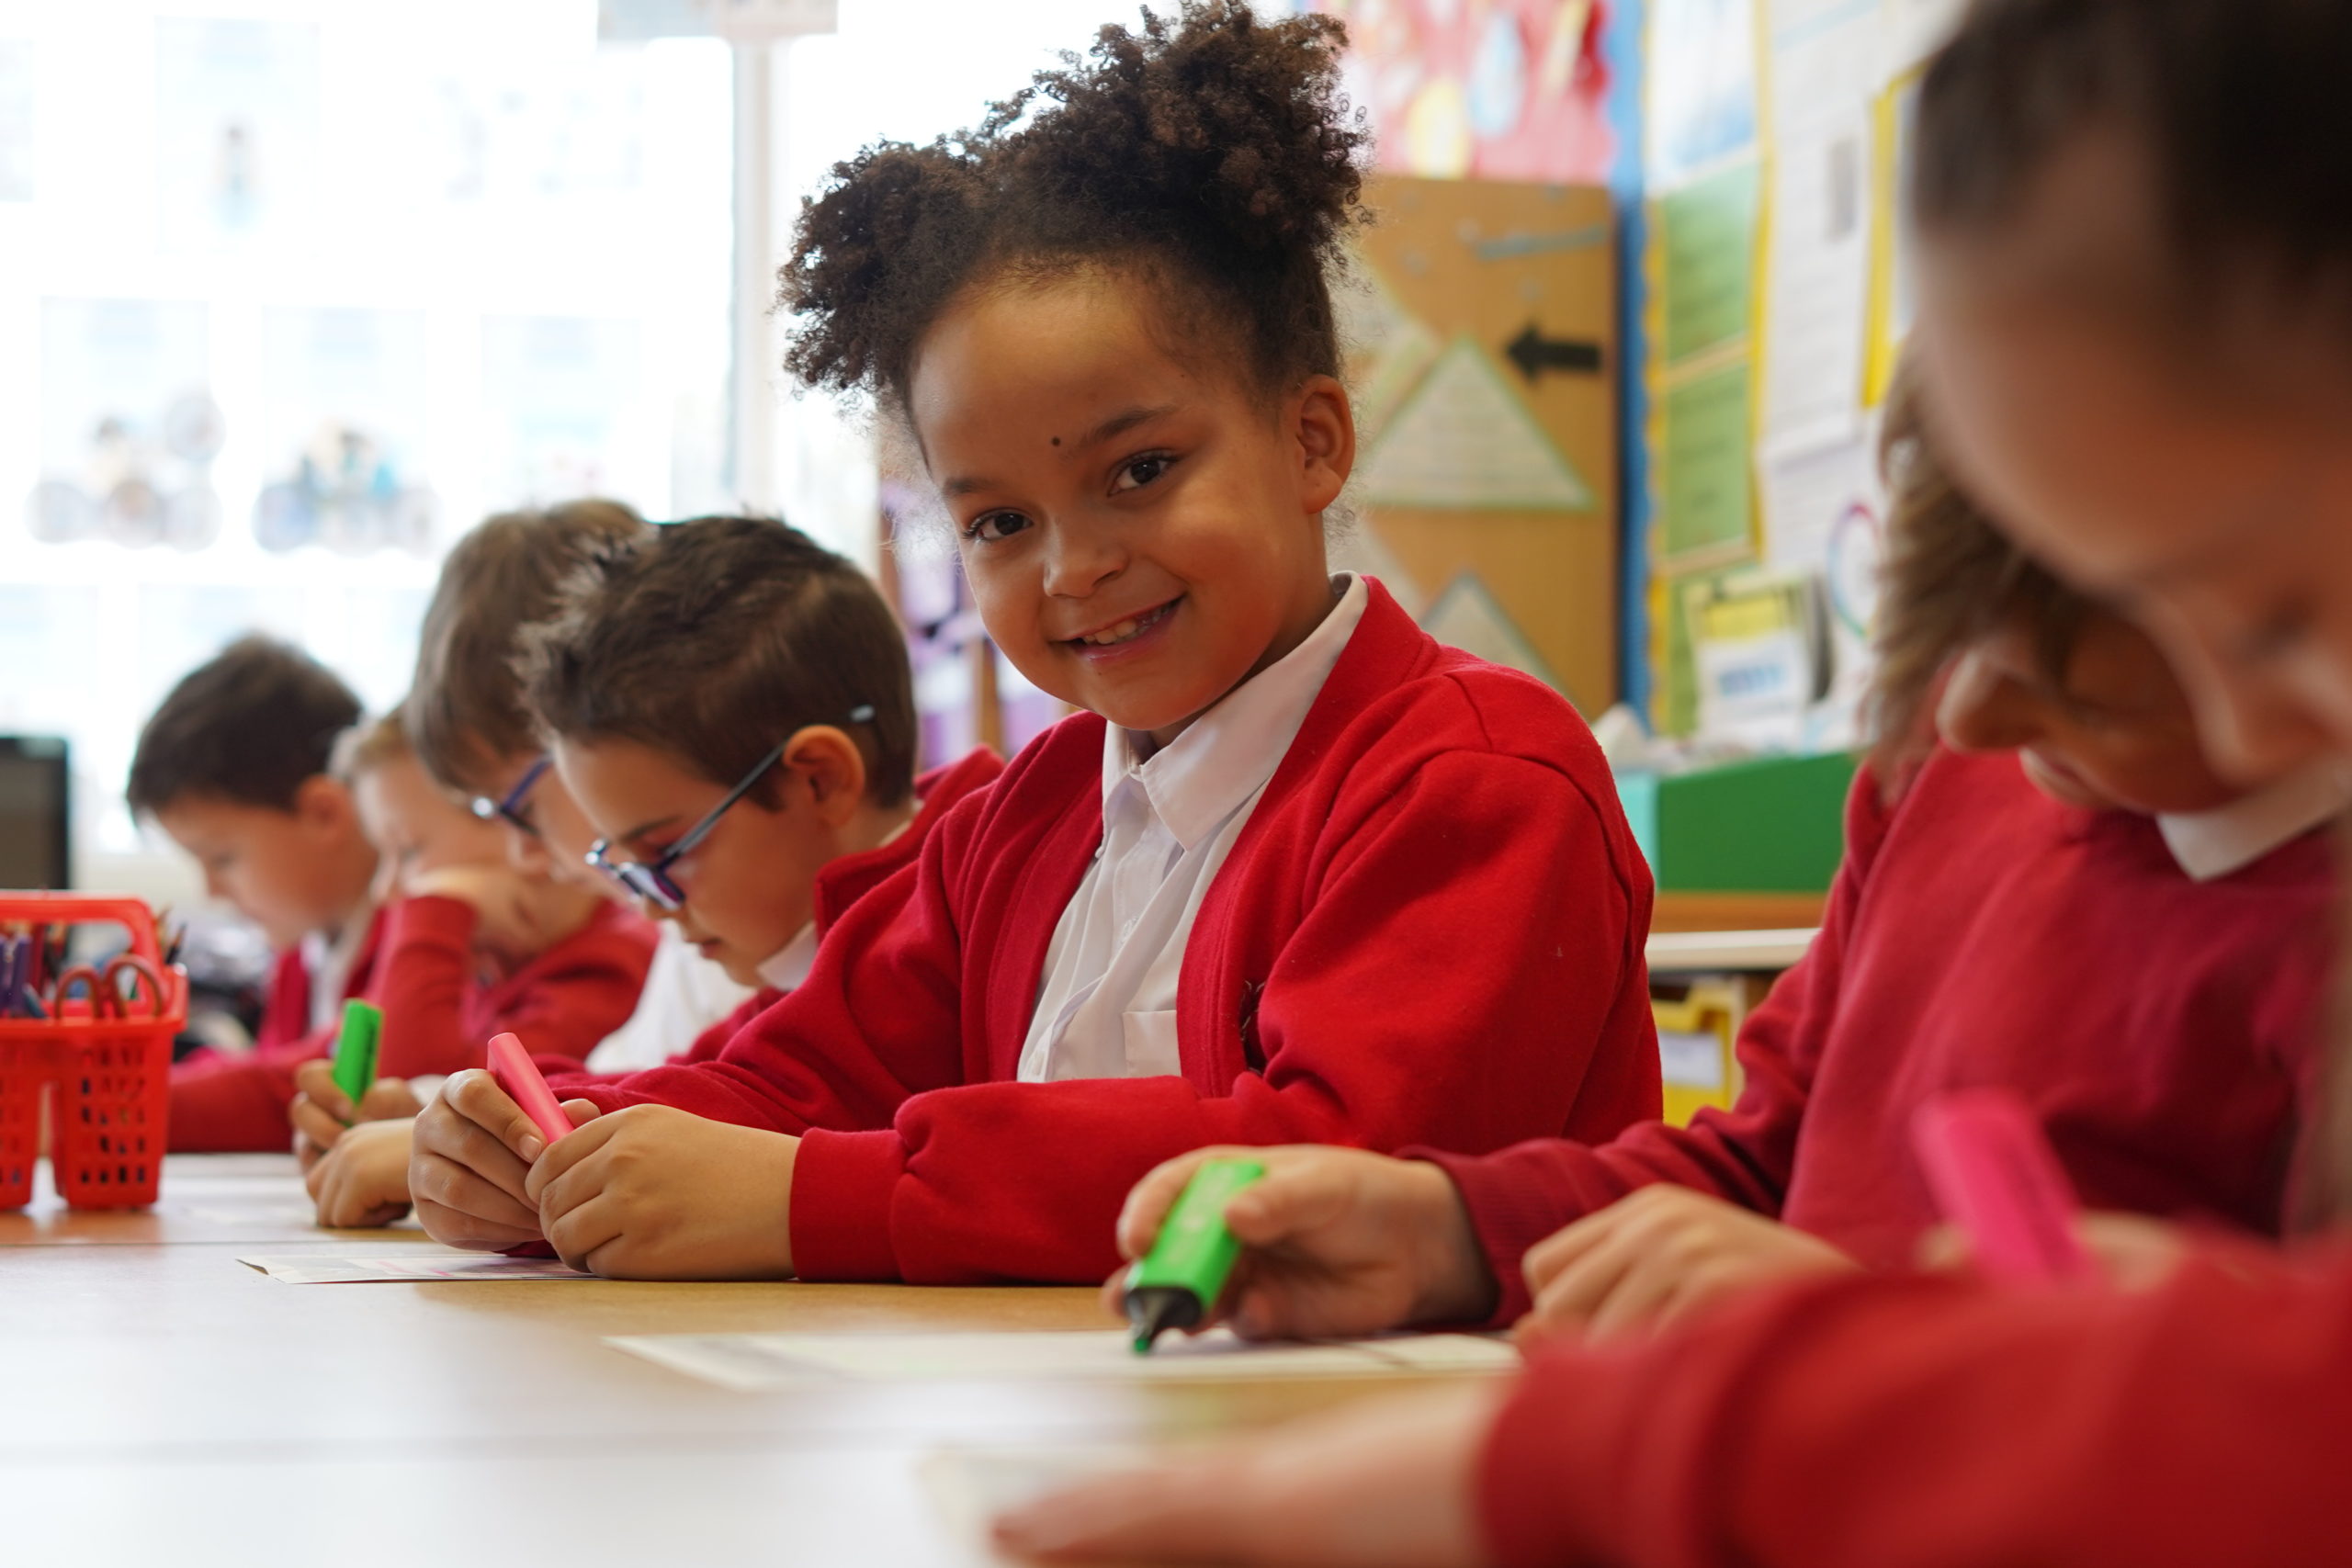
column 36, row 813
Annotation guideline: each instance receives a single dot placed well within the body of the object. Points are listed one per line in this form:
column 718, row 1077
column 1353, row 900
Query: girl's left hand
column 1368, row 1487
column 653, row 1193
column 1655, row 1257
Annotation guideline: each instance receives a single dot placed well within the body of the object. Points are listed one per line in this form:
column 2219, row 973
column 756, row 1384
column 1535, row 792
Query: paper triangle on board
column 1466, row 616
column 1464, row 441
column 1389, row 349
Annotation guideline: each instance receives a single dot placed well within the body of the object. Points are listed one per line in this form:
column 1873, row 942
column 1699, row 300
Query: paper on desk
column 408, row 1265
column 971, row 1486
column 754, row 1362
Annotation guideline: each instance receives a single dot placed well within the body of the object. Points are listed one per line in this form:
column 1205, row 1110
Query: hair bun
column 1218, row 119
column 870, row 241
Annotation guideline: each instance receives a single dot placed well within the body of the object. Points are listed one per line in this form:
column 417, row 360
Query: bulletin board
column 1483, row 337
column 1777, row 294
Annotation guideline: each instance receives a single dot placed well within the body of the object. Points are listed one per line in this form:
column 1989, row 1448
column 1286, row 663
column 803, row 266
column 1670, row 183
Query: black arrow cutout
column 1534, row 353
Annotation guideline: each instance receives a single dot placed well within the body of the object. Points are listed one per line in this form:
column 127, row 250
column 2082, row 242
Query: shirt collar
column 1199, row 778
column 788, row 966
column 2208, row 845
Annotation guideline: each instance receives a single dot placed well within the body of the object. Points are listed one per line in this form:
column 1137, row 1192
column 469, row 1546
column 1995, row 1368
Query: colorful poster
column 1705, row 486
column 236, row 128
column 1701, row 87
column 1505, row 90
column 128, row 426
column 1708, row 232
column 1821, row 55
column 342, row 428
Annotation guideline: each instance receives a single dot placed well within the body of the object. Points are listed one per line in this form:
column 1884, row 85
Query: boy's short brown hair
column 1950, row 579
column 713, row 639
column 251, row 724
column 465, row 709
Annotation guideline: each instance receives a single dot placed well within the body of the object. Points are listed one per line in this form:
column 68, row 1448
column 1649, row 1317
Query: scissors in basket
column 109, row 997
column 19, row 963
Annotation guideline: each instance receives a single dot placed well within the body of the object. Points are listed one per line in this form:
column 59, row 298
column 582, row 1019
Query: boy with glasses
column 733, row 703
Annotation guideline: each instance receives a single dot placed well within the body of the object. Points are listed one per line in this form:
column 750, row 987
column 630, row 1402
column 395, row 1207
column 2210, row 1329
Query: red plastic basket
column 108, row 1080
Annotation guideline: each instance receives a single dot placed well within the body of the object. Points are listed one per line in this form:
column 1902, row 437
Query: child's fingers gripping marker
column 1177, row 1284
column 516, row 1073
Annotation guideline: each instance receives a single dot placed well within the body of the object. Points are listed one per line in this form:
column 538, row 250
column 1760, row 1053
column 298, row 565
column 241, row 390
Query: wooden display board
column 1486, row 370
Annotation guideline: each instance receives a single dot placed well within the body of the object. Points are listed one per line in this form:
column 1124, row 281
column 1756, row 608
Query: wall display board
column 1482, row 336
column 1780, row 295
column 1505, row 90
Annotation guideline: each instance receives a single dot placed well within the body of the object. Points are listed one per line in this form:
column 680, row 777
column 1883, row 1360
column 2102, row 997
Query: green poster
column 1705, row 488
column 1709, row 251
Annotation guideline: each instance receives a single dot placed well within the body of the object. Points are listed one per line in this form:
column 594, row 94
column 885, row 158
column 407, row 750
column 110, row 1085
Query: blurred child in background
column 233, row 767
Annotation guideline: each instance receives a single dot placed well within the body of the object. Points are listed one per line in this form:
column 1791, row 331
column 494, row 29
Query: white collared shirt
column 2210, row 845
column 327, row 963
column 786, row 968
column 684, row 994
column 1107, row 1006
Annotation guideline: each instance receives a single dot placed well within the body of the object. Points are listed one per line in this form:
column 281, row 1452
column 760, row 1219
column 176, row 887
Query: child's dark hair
column 2239, row 106
column 1949, row 579
column 711, row 640
column 1211, row 156
column 465, row 710
column 249, row 726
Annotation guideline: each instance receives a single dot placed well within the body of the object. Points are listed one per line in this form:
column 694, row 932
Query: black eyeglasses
column 650, row 880
column 509, row 810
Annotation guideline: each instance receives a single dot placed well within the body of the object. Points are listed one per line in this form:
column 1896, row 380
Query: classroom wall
column 1776, row 297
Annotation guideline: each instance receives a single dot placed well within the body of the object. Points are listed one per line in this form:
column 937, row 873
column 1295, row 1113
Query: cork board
column 1484, row 364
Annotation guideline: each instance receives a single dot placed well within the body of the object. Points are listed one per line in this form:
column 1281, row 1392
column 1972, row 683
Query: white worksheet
column 408, row 1264
column 756, row 1362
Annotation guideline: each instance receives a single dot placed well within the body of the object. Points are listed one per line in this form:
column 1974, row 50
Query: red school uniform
column 212, row 1091
column 1875, row 1422
column 839, row 885
column 1429, row 931
column 437, row 1013
column 1981, row 933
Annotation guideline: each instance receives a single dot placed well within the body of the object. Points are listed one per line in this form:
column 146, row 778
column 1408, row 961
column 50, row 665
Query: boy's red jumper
column 839, row 885
column 1873, row 1422
column 437, row 1013
column 1980, row 933
column 212, row 1090
column 1429, row 931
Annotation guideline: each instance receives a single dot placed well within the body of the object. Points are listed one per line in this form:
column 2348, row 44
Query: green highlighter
column 1175, row 1284
column 355, row 1049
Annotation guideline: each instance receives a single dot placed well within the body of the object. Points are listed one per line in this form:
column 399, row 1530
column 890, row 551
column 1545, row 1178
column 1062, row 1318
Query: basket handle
column 78, row 908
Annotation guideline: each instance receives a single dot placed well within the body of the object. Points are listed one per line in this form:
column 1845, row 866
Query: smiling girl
column 1296, row 872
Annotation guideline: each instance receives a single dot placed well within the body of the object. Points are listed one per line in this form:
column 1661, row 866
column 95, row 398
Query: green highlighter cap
column 355, row 1049
column 1175, row 1284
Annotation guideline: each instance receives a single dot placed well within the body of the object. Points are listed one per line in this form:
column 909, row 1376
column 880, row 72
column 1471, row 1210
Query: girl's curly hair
column 1211, row 155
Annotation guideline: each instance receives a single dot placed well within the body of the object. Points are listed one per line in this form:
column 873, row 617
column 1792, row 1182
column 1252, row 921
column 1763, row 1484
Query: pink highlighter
column 1994, row 1176
column 512, row 1066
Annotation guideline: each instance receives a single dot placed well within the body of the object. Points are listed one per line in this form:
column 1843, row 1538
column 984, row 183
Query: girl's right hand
column 466, row 1168
column 1336, row 1242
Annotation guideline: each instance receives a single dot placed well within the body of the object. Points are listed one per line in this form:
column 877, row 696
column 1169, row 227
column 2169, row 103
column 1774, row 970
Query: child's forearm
column 423, row 980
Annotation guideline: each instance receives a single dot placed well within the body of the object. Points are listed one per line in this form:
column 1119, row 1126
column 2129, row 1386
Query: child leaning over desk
column 769, row 630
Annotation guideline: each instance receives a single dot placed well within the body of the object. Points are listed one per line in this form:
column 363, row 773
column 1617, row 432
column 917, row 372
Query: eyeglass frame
column 508, row 808
column 650, row 880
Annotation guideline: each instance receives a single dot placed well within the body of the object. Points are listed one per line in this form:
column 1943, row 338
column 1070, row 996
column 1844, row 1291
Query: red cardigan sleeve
column 421, row 983
column 1519, row 1195
column 1477, row 905
column 439, row 1015
column 1913, row 1423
